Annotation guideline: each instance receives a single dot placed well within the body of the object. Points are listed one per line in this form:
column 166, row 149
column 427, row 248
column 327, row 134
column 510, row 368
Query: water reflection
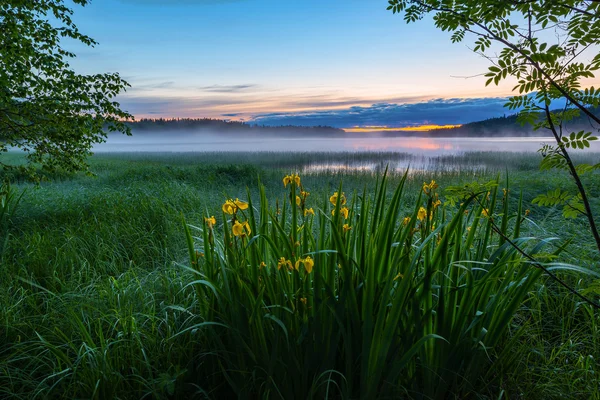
column 417, row 165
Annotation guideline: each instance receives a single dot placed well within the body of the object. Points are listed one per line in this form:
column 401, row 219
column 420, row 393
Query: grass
column 101, row 297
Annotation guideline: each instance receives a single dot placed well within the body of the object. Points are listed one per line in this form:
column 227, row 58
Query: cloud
column 226, row 88
column 150, row 86
column 311, row 110
column 436, row 111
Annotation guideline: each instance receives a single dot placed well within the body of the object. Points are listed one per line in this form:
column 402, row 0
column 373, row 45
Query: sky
column 341, row 63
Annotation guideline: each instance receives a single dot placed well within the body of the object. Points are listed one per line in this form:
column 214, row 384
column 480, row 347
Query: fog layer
column 207, row 141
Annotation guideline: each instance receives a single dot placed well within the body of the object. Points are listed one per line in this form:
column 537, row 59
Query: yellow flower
column 291, row 178
column 344, row 211
column 241, row 229
column 468, row 229
column 485, row 212
column 422, row 214
column 505, row 191
column 405, row 221
column 347, row 227
column 284, row 263
column 210, row 222
column 527, row 212
column 263, row 264
column 334, row 198
column 437, row 203
column 304, row 194
column 309, row 211
column 303, row 300
column 308, row 264
column 298, row 201
column 229, row 207
column 242, row 205
column 429, row 187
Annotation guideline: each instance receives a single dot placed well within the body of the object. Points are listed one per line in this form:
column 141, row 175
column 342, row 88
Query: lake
column 413, row 145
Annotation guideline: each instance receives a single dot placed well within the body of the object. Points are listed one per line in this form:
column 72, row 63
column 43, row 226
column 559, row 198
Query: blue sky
column 339, row 62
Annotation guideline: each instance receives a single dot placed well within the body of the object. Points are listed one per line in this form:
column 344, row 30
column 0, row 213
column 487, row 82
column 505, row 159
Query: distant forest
column 501, row 126
column 218, row 125
column 508, row 126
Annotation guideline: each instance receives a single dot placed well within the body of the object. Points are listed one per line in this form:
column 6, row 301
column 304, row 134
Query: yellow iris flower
column 309, row 211
column 291, row 178
column 242, row 205
column 232, row 206
column 241, row 229
column 405, row 221
column 229, row 207
column 210, row 222
column 334, row 198
column 422, row 214
column 428, row 187
column 284, row 263
column 344, row 211
column 308, row 264
column 347, row 227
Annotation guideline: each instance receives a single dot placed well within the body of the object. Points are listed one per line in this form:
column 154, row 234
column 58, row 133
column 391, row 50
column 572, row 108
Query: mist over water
column 170, row 141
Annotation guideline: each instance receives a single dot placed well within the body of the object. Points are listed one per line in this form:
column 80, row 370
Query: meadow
column 123, row 286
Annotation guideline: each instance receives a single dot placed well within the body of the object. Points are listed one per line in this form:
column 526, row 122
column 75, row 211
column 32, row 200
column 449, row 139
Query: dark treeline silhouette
column 218, row 125
column 500, row 126
column 509, row 126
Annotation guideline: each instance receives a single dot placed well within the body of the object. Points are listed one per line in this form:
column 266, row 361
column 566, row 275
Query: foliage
column 90, row 267
column 9, row 200
column 46, row 108
column 548, row 48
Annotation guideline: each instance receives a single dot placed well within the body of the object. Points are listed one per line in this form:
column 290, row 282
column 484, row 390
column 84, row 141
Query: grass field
column 104, row 295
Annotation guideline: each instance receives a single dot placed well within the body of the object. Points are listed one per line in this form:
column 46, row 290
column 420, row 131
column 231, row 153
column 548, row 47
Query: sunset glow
column 421, row 128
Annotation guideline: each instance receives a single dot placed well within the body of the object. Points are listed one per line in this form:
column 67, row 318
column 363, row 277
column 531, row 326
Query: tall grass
column 394, row 305
column 94, row 302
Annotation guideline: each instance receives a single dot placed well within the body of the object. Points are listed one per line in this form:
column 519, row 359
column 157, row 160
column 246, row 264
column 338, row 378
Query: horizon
column 343, row 64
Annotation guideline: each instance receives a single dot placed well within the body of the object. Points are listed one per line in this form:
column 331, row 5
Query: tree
column 46, row 109
column 549, row 48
